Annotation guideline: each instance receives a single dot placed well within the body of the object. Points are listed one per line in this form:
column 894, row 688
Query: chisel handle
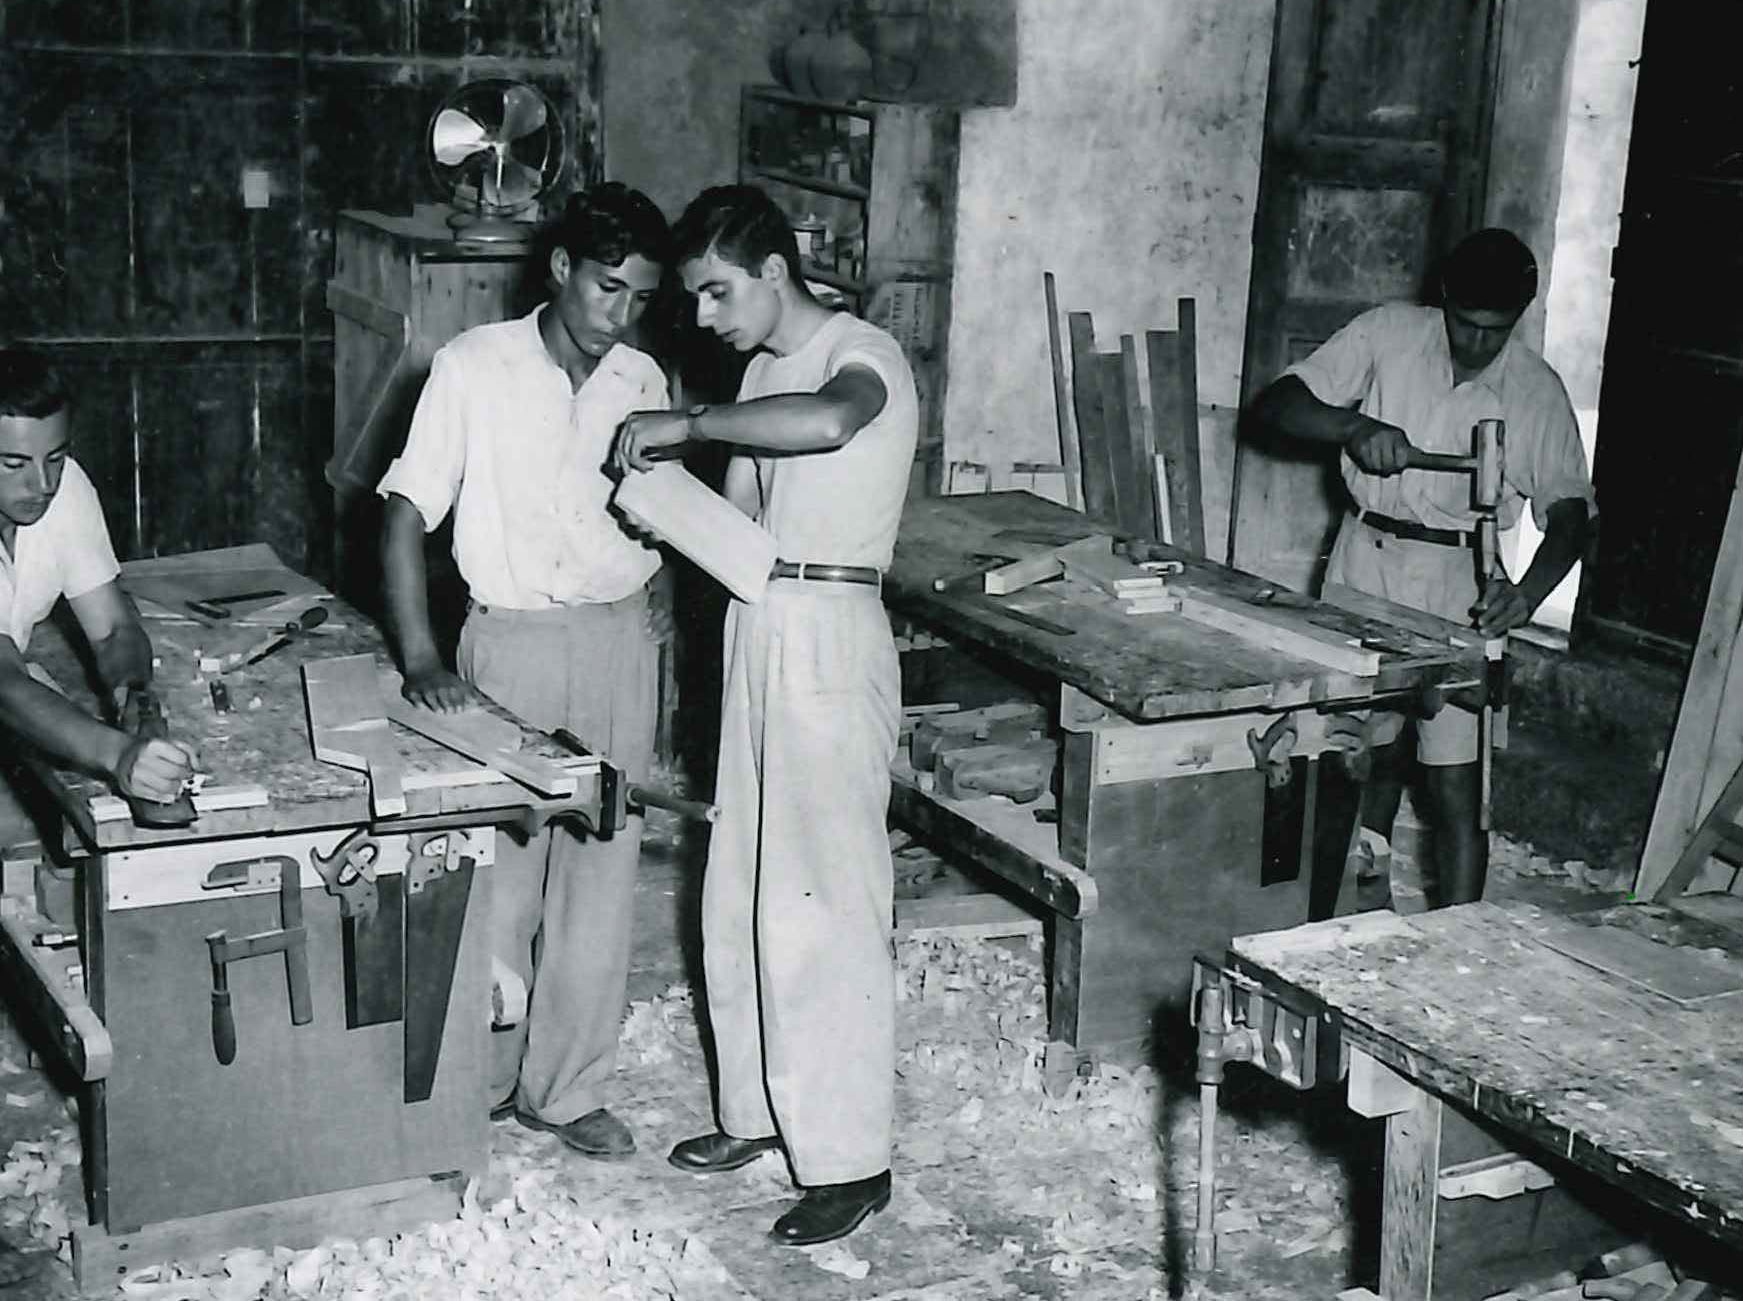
column 698, row 810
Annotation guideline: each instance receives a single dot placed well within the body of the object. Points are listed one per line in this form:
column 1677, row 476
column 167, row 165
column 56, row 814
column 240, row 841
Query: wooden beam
column 1092, row 425
column 1410, row 1199
column 672, row 504
column 1141, row 440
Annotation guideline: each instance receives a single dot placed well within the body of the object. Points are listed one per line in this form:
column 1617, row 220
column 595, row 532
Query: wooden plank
column 1290, row 636
column 1712, row 690
column 479, row 736
column 1019, row 574
column 40, row 980
column 1409, row 1199
column 1141, row 440
column 1377, row 1090
column 1683, row 975
column 1070, row 456
column 1092, row 419
column 671, row 503
column 1174, row 412
column 1192, row 470
column 101, row 1259
column 348, row 726
column 981, row 916
column 1117, row 444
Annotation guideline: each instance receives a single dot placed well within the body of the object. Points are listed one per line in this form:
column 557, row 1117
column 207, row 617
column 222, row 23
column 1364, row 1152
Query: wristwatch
column 690, row 416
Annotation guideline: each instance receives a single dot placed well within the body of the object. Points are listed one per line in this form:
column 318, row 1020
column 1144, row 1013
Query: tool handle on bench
column 699, row 810
column 223, row 1027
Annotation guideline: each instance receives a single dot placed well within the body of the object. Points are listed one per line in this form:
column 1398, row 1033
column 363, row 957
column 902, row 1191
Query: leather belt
column 1411, row 531
column 811, row 573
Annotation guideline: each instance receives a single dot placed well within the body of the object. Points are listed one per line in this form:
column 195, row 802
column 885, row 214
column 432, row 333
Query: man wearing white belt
column 796, row 901
column 512, row 432
column 1400, row 377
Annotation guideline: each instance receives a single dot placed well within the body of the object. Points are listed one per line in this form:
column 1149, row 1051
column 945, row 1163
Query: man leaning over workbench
column 512, row 433
column 796, row 893
column 54, row 543
column 1401, row 377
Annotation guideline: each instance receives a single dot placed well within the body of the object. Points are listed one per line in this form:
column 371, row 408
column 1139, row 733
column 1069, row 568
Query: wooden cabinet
column 401, row 288
column 871, row 188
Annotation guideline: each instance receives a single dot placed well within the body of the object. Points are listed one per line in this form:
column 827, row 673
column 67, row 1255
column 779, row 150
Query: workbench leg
column 1064, row 978
column 1410, row 1198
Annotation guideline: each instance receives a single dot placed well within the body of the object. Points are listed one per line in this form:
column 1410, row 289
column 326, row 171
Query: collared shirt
column 840, row 507
column 502, row 437
column 1394, row 361
column 65, row 553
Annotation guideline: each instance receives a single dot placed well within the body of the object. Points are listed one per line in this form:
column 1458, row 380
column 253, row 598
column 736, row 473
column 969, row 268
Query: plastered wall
column 1128, row 168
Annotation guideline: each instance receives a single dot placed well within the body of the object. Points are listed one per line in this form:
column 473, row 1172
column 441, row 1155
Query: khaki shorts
column 1425, row 576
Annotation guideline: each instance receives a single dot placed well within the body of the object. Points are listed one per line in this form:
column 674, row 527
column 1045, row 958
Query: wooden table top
column 264, row 739
column 1473, row 1004
column 1153, row 666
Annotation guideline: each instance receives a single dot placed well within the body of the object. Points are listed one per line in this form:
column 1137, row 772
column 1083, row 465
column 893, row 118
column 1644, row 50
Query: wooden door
column 1670, row 422
column 1376, row 143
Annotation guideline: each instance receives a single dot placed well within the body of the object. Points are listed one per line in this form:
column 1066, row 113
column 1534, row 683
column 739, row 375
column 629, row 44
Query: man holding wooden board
column 796, row 901
column 512, row 433
column 1400, row 380
column 54, row 543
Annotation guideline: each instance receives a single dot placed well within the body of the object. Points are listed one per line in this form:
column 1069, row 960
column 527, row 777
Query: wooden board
column 1683, row 975
column 672, row 504
column 170, row 582
column 41, row 981
column 348, row 726
column 1158, row 666
column 1474, row 1004
column 480, row 736
column 1173, row 361
column 1280, row 631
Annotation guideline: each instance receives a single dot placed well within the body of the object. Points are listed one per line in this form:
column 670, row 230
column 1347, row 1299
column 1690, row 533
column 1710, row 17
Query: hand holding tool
column 278, row 638
column 142, row 715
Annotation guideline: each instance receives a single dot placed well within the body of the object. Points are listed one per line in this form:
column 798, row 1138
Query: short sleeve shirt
column 65, row 553
column 1394, row 364
column 840, row 507
column 503, row 439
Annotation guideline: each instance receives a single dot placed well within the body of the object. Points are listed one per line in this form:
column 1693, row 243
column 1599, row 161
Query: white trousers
column 796, row 902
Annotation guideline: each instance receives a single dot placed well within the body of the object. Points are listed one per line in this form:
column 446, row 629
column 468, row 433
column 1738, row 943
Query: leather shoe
column 709, row 1154
column 831, row 1211
column 598, row 1134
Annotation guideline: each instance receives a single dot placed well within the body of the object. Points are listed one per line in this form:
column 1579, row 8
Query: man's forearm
column 408, row 603
column 1564, row 542
column 56, row 726
column 790, row 423
column 123, row 657
column 1289, row 407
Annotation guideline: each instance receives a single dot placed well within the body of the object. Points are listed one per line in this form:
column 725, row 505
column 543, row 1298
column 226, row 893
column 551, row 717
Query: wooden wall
column 192, row 325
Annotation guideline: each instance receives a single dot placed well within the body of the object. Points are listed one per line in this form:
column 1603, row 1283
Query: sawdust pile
column 1084, row 1181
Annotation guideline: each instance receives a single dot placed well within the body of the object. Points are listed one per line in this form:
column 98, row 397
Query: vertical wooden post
column 1410, row 1199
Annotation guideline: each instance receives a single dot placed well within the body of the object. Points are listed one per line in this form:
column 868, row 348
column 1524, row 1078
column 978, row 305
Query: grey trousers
column 562, row 903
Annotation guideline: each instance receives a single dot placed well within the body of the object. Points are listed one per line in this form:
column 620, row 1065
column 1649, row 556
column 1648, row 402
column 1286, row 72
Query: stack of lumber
column 1139, row 590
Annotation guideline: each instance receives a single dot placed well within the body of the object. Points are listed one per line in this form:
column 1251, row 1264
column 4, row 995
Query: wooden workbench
column 307, row 1132
column 1169, row 839
column 1472, row 1019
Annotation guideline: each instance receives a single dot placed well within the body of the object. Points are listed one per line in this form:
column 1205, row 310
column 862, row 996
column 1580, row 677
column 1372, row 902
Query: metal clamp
column 291, row 939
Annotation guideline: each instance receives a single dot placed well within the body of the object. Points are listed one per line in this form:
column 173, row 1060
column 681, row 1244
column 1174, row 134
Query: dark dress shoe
column 711, row 1153
column 598, row 1134
column 831, row 1211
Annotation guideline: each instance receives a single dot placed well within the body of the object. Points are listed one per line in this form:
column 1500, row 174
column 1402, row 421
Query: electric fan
column 494, row 147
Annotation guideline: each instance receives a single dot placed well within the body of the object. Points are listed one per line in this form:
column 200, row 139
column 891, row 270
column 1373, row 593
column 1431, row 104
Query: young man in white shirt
column 54, row 543
column 797, row 893
column 512, row 434
column 1400, row 377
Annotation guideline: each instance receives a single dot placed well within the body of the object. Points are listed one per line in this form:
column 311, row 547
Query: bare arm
column 1506, row 605
column 152, row 770
column 427, row 682
column 1288, row 406
column 118, row 642
column 783, row 423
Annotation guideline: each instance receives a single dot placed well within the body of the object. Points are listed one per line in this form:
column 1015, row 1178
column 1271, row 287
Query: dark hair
column 1490, row 270
column 29, row 386
column 742, row 225
column 608, row 223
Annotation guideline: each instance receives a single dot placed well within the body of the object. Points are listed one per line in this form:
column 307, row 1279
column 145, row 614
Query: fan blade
column 523, row 112
column 456, row 136
column 509, row 184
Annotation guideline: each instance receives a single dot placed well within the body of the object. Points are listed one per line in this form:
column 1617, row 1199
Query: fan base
column 475, row 228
